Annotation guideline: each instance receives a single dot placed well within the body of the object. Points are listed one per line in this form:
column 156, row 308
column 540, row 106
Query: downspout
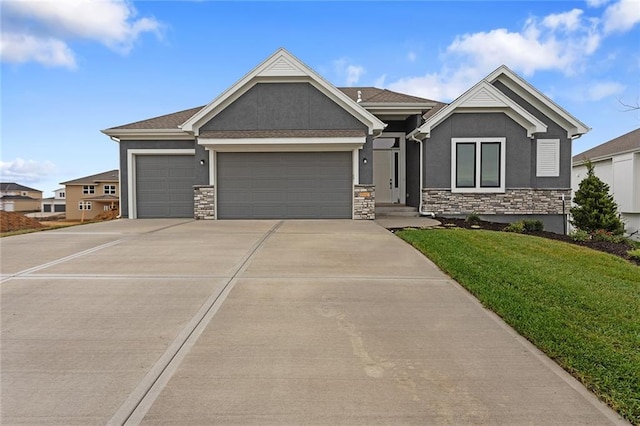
column 422, row 213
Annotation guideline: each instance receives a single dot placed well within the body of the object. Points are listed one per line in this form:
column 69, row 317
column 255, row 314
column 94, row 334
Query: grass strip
column 579, row 306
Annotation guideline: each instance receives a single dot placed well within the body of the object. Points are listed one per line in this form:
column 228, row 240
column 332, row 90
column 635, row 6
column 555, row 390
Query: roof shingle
column 625, row 143
column 110, row 176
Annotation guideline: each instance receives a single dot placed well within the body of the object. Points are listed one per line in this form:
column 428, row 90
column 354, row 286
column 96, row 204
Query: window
column 110, row 189
column 84, row 205
column 478, row 164
column 548, row 157
column 89, row 189
column 61, row 195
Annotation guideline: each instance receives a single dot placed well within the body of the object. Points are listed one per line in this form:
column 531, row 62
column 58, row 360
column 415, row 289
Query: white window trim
column 84, row 205
column 90, row 189
column 556, row 171
column 131, row 171
column 478, row 142
column 111, row 188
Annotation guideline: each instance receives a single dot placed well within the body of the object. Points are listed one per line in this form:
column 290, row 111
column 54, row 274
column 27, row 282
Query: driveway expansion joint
column 136, row 406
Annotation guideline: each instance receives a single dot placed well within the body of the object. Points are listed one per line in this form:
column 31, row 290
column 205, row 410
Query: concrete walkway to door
column 259, row 322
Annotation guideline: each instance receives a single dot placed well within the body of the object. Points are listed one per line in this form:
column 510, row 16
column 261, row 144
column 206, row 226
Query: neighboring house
column 91, row 195
column 19, row 198
column 617, row 163
column 55, row 204
column 283, row 142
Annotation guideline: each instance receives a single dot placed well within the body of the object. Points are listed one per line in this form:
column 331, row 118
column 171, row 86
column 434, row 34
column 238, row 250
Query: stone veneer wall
column 364, row 202
column 512, row 201
column 203, row 202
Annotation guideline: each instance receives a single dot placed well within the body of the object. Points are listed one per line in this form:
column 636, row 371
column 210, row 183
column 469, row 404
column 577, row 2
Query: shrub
column 602, row 235
column 517, row 227
column 533, row 225
column 634, row 254
column 595, row 208
column 579, row 235
column 473, row 218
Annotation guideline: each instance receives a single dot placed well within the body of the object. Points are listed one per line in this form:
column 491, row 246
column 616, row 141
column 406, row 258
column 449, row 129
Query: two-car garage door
column 264, row 185
column 249, row 185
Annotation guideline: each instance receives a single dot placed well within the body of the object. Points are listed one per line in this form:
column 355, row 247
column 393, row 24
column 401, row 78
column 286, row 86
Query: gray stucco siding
column 554, row 131
column 201, row 173
column 437, row 148
column 283, row 106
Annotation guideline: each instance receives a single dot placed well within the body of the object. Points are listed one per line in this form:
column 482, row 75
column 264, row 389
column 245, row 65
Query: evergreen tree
column 595, row 208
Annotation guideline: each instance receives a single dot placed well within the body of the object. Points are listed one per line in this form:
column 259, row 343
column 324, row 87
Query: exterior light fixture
column 202, row 162
column 364, row 160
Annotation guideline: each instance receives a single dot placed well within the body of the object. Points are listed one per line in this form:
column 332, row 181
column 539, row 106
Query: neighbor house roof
column 12, row 186
column 110, row 176
column 108, row 198
column 17, row 197
column 628, row 142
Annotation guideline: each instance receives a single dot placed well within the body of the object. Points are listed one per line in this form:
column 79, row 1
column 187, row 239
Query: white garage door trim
column 131, row 171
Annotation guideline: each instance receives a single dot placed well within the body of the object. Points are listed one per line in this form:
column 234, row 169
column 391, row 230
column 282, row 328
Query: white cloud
column 411, row 56
column 20, row 48
column 50, row 25
column 379, row 82
column 25, row 171
column 621, row 16
column 604, row 89
column 557, row 42
column 596, row 3
column 569, row 21
column 354, row 72
column 350, row 73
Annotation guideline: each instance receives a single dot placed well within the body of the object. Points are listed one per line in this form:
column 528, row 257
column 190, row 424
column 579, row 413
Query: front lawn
column 581, row 307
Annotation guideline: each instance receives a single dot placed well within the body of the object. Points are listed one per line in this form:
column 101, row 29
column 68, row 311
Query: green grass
column 581, row 307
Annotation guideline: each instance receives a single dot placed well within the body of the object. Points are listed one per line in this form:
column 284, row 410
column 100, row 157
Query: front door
column 385, row 175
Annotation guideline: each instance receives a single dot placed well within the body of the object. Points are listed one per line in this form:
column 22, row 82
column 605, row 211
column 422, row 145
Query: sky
column 70, row 68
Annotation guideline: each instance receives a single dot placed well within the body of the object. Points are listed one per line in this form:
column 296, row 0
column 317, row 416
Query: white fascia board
column 525, row 90
column 148, row 134
column 282, row 66
column 496, row 101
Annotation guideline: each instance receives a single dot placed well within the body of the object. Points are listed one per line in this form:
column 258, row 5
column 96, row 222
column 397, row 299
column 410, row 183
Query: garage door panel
column 284, row 185
column 164, row 186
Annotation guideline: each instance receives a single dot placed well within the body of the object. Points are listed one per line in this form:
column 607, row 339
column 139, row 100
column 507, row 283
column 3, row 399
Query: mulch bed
column 617, row 249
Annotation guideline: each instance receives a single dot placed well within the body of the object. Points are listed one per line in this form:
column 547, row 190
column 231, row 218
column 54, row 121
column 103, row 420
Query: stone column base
column 364, row 202
column 203, row 202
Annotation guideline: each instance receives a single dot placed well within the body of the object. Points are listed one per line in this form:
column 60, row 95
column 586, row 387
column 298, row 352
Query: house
column 55, row 204
column 616, row 163
column 19, row 198
column 282, row 142
column 89, row 196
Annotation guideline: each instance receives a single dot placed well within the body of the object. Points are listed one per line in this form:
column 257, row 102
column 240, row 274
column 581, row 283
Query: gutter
column 412, row 136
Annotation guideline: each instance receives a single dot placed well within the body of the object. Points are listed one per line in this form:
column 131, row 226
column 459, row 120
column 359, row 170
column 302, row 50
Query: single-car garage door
column 292, row 185
column 164, row 186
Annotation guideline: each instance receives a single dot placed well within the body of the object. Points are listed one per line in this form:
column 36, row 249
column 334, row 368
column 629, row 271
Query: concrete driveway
column 259, row 322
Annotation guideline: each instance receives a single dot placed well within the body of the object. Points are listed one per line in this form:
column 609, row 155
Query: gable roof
column 481, row 97
column 282, row 66
column 486, row 96
column 110, row 176
column 629, row 142
column 574, row 127
column 167, row 121
column 12, row 186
